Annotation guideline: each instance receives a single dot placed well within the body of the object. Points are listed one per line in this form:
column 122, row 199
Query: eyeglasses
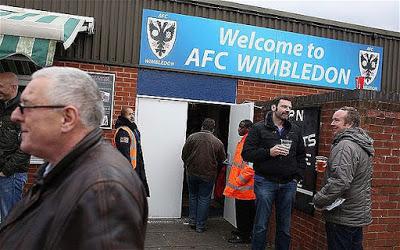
column 23, row 106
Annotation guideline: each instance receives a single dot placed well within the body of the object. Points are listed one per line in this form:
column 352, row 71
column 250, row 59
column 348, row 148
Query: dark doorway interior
column 197, row 112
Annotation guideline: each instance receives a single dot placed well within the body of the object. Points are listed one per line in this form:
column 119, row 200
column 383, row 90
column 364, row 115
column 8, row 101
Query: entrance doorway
column 164, row 125
column 197, row 112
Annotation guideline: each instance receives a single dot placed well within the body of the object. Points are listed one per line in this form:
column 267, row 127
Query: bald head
column 8, row 86
column 128, row 113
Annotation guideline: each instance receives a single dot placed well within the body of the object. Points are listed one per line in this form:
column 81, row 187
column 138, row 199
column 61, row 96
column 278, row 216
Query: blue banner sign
column 197, row 44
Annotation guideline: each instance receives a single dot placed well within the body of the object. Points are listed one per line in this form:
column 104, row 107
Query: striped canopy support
column 34, row 33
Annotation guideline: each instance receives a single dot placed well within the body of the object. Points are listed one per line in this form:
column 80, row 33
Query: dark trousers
column 341, row 237
column 245, row 212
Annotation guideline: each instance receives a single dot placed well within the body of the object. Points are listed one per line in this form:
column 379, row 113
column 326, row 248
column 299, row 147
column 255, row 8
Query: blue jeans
column 341, row 237
column 11, row 188
column 266, row 193
column 199, row 200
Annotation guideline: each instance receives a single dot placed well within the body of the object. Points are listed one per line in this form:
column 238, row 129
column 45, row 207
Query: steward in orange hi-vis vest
column 240, row 183
column 130, row 140
column 127, row 141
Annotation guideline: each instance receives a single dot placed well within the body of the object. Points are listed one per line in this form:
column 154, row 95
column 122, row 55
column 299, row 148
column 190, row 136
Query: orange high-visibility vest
column 240, row 183
column 133, row 150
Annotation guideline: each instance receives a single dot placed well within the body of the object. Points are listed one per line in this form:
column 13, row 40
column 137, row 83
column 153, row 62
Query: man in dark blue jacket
column 127, row 141
column 276, row 148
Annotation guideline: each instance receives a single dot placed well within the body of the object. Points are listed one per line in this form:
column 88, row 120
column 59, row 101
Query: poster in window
column 106, row 82
column 308, row 120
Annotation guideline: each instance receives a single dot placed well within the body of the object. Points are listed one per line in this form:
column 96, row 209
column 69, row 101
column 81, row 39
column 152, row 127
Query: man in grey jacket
column 348, row 176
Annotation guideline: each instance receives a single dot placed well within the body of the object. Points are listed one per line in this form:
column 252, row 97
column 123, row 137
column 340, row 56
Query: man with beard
column 276, row 148
column 348, row 177
column 127, row 141
column 13, row 162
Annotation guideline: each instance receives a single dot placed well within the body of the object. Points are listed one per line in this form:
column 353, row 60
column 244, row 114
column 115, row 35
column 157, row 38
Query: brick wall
column 261, row 91
column 124, row 89
column 384, row 127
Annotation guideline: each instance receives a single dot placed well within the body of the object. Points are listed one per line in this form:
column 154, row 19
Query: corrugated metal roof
column 117, row 35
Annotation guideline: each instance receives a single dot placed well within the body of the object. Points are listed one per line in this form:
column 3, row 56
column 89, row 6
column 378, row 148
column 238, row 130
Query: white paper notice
column 336, row 203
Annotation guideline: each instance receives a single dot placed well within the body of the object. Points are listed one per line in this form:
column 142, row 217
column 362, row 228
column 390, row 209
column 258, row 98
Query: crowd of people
column 72, row 204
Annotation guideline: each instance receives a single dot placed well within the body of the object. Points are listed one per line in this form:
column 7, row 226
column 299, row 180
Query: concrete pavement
column 176, row 234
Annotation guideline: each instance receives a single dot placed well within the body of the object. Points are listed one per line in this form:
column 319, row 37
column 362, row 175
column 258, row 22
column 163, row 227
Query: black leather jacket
column 263, row 136
column 92, row 199
column 12, row 159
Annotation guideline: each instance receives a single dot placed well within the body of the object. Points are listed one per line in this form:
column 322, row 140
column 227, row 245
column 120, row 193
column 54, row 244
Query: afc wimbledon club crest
column 161, row 36
column 368, row 64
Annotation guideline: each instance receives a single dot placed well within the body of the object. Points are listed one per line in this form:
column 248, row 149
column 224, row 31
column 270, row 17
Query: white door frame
column 238, row 113
column 162, row 124
column 162, row 205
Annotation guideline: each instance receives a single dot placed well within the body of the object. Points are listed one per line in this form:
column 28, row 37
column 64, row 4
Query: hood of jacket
column 357, row 135
column 123, row 121
column 10, row 104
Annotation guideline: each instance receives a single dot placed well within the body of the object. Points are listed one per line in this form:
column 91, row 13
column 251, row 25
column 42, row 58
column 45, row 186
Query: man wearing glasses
column 86, row 196
column 13, row 162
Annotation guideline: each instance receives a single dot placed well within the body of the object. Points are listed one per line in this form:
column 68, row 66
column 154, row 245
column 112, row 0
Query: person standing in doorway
column 276, row 148
column 240, row 186
column 202, row 155
column 347, row 178
column 127, row 141
column 13, row 162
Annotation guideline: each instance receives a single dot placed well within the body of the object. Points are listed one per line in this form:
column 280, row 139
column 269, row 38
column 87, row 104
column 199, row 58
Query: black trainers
column 238, row 240
column 235, row 232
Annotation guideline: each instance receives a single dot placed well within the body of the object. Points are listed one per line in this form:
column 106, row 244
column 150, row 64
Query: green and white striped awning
column 34, row 33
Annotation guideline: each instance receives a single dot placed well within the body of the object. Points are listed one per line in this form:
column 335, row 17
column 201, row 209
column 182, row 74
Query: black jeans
column 341, row 237
column 245, row 212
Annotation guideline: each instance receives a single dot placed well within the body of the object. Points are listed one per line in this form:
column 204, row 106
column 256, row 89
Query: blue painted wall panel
column 186, row 86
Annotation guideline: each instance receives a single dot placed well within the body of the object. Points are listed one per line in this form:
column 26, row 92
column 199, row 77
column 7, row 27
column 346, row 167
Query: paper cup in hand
column 320, row 163
column 286, row 144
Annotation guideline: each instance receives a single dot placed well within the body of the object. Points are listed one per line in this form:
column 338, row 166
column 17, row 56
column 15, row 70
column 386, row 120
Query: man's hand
column 278, row 149
column 2, row 175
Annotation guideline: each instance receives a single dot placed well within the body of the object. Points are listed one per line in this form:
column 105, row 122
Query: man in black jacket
column 276, row 148
column 127, row 141
column 13, row 162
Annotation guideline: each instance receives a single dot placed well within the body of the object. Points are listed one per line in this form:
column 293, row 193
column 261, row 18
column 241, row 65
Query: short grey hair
column 72, row 86
column 353, row 116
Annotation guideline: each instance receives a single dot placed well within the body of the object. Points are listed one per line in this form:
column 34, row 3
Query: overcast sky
column 382, row 14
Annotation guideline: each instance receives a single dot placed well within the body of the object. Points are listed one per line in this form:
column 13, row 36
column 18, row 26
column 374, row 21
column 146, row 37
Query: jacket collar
column 10, row 104
column 59, row 172
column 122, row 121
column 270, row 124
column 83, row 146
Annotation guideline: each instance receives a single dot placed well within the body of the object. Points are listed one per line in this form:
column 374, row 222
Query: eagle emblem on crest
column 368, row 64
column 161, row 36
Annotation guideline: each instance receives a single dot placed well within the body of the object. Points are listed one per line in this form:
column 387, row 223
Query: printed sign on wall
column 308, row 120
column 197, row 44
column 106, row 85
